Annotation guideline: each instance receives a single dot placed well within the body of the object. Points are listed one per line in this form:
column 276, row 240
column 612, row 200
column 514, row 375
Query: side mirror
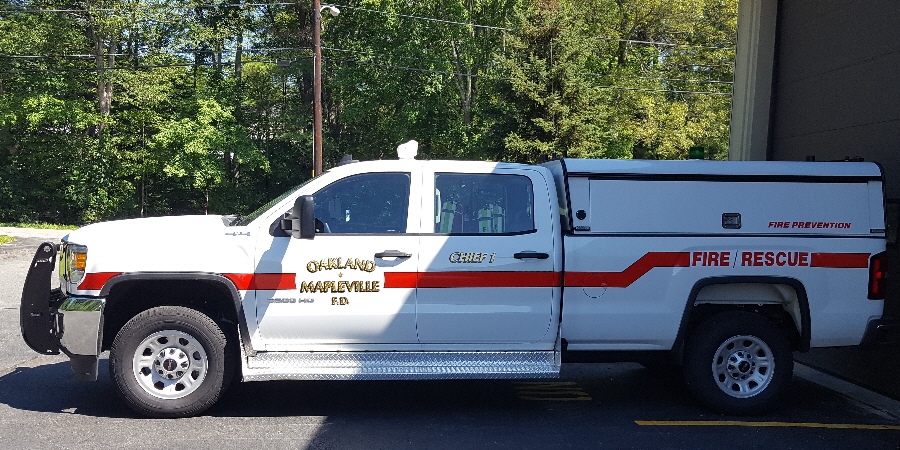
column 301, row 222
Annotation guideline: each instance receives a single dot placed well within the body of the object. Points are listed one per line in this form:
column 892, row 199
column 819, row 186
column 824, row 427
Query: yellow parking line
column 733, row 423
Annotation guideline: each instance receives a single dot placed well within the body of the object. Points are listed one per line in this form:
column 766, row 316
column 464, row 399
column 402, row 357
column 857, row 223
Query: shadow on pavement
column 623, row 393
column 874, row 368
column 51, row 388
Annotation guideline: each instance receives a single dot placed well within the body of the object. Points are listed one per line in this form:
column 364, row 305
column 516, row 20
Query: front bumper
column 52, row 322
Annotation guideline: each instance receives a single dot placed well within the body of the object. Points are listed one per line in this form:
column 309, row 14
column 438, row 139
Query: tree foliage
column 126, row 108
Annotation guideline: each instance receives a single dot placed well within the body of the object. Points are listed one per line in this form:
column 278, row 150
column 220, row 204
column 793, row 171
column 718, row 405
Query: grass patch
column 43, row 226
column 5, row 239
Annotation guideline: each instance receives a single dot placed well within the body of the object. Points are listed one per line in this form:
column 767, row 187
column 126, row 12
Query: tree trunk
column 104, row 59
column 231, row 170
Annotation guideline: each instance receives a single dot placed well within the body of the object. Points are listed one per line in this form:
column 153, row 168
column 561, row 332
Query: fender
column 217, row 280
column 803, row 300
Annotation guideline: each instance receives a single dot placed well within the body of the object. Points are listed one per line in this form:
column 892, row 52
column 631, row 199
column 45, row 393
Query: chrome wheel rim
column 743, row 366
column 170, row 364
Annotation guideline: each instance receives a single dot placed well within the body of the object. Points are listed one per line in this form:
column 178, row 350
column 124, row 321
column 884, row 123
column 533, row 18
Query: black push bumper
column 52, row 322
column 37, row 314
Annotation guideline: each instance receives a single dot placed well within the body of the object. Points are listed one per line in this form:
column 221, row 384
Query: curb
column 879, row 404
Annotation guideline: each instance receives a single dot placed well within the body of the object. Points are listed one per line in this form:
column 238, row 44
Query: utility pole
column 317, row 88
column 317, row 81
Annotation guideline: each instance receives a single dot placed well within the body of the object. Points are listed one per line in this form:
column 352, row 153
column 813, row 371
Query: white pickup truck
column 410, row 269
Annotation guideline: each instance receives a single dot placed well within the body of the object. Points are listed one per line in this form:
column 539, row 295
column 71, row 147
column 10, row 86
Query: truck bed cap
column 577, row 167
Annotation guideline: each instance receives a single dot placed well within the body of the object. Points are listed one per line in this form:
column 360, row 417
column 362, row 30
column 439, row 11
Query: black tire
column 738, row 363
column 170, row 361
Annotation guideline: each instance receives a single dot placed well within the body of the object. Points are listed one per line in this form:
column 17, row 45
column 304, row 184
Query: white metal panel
column 703, row 167
column 334, row 301
column 642, row 206
column 471, row 306
column 876, row 206
column 638, row 287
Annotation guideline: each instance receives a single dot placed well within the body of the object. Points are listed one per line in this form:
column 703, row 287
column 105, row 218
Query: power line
column 432, row 19
column 41, row 11
column 673, row 91
column 153, row 66
column 388, row 66
column 157, row 7
column 622, row 88
column 662, row 44
column 359, row 52
column 490, row 27
column 489, row 66
column 408, row 16
column 689, row 80
column 56, row 56
column 138, row 55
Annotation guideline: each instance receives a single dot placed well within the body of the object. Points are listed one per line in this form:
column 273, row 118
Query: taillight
column 877, row 276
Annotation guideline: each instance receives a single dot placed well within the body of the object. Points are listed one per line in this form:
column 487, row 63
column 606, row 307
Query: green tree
column 124, row 108
column 544, row 104
column 675, row 56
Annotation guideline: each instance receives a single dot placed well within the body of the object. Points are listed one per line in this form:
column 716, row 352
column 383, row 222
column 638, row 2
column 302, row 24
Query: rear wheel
column 170, row 361
column 738, row 363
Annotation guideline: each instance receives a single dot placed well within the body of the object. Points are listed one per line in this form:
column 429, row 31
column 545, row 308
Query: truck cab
column 401, row 253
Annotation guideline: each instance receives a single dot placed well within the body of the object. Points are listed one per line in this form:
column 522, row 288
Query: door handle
column 392, row 254
column 531, row 255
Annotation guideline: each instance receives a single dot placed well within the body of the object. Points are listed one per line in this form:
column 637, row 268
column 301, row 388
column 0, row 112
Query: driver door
column 339, row 295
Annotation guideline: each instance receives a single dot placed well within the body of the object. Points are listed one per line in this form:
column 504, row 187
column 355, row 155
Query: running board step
column 400, row 365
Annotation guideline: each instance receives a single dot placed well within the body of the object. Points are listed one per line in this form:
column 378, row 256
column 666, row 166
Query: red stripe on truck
column 95, row 281
column 840, row 260
column 409, row 280
column 262, row 281
column 649, row 261
column 470, row 279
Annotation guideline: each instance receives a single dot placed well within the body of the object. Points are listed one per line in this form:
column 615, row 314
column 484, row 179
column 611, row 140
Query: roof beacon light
column 408, row 150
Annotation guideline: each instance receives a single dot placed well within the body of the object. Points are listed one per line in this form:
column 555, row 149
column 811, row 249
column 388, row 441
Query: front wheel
column 738, row 363
column 170, row 361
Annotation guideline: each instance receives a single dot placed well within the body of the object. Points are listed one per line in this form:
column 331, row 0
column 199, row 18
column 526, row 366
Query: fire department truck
column 411, row 269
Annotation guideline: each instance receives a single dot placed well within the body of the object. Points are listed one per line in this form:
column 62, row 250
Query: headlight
column 73, row 262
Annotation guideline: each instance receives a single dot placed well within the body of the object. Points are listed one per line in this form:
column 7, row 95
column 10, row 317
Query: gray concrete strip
column 27, row 241
column 33, row 233
column 878, row 404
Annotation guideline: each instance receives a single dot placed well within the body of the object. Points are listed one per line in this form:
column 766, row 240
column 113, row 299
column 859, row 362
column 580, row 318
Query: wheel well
column 774, row 313
column 783, row 301
column 129, row 298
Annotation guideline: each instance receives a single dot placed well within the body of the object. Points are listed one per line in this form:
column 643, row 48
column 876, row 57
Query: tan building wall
column 836, row 86
column 835, row 82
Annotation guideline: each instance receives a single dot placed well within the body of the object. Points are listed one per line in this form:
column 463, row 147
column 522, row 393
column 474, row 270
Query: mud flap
column 37, row 317
column 84, row 367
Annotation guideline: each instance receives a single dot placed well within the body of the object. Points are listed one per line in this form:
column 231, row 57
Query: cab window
column 364, row 203
column 483, row 204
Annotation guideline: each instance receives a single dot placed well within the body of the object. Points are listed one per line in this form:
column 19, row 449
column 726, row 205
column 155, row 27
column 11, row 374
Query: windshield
column 245, row 220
